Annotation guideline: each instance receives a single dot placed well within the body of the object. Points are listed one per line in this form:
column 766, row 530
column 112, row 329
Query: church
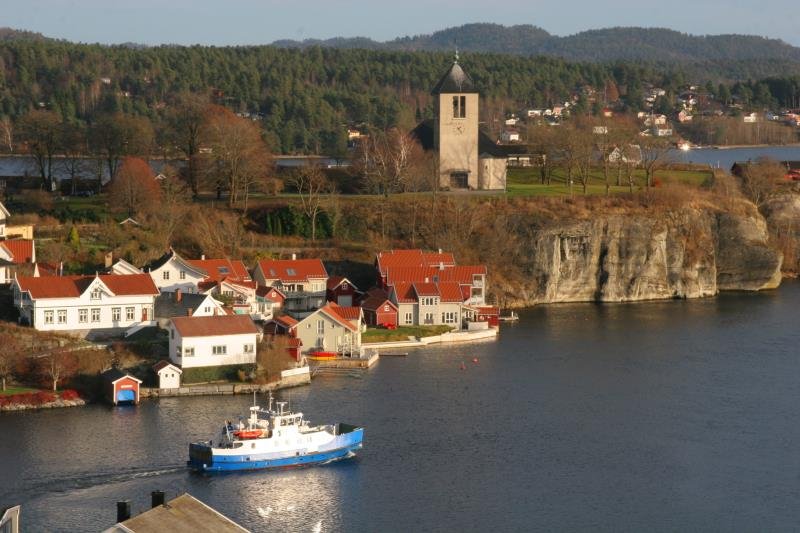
column 467, row 159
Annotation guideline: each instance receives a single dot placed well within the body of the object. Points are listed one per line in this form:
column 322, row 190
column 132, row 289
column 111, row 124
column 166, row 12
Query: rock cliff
column 685, row 253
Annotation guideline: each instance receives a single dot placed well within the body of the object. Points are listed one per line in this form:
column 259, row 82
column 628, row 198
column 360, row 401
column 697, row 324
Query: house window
column 165, row 275
column 291, row 272
column 449, row 317
column 408, row 318
column 459, row 107
column 219, row 350
column 207, row 309
column 429, row 318
column 344, row 286
column 320, row 326
column 83, row 315
column 385, row 308
column 227, row 293
column 188, row 352
column 95, row 294
column 48, row 317
column 249, row 348
column 129, row 313
column 62, row 316
column 178, row 351
column 95, row 314
column 116, row 313
column 183, row 274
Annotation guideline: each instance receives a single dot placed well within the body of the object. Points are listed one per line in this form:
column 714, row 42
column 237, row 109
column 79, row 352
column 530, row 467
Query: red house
column 379, row 309
column 121, row 387
column 341, row 291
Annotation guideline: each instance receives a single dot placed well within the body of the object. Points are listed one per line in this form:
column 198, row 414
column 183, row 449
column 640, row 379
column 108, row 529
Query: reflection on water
column 659, row 416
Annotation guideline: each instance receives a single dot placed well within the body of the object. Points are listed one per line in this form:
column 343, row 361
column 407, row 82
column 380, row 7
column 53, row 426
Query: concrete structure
column 96, row 304
column 184, row 514
column 213, row 341
column 466, row 158
column 169, row 375
column 120, row 387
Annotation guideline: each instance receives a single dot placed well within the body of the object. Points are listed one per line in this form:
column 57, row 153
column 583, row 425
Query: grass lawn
column 525, row 181
column 402, row 333
column 16, row 390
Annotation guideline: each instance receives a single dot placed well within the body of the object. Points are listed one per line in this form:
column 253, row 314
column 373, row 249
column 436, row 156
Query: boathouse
column 120, row 387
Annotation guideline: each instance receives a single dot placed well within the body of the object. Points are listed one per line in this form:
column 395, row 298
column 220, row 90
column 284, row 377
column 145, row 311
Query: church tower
column 455, row 130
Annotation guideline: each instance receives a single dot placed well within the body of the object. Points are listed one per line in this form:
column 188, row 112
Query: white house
column 750, row 118
column 213, row 341
column 171, row 272
column 169, row 375
column 331, row 329
column 4, row 214
column 91, row 305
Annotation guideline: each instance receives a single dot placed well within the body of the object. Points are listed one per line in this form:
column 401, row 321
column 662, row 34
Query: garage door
column 345, row 300
column 126, row 395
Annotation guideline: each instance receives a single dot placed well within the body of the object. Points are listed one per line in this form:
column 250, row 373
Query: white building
column 171, row 272
column 169, row 305
column 100, row 304
column 509, row 136
column 169, row 375
column 213, row 341
column 302, row 281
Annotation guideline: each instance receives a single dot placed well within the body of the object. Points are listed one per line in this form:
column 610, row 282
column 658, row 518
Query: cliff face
column 783, row 217
column 689, row 253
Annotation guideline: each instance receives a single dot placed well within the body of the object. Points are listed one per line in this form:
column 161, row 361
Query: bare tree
column 758, row 180
column 186, row 121
column 74, row 147
column 7, row 133
column 10, row 360
column 42, row 133
column 116, row 136
column 311, row 184
column 58, row 365
column 655, row 154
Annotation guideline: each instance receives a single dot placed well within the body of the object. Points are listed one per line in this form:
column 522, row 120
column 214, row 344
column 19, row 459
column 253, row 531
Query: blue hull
column 202, row 458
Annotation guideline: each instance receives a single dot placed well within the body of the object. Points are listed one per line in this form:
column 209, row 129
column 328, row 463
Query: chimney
column 61, row 268
column 294, row 257
column 440, row 250
column 189, row 311
column 427, row 280
column 178, row 295
column 156, row 498
column 202, row 257
column 441, row 265
column 123, row 510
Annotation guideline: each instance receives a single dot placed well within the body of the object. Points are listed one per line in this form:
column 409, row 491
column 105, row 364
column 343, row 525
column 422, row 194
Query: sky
column 231, row 22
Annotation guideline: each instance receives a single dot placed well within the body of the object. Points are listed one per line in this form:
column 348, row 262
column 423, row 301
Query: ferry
column 275, row 438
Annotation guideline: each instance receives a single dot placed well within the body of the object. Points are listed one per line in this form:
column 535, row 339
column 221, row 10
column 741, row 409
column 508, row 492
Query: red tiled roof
column 450, row 291
column 348, row 313
column 404, row 292
column 209, row 326
column 375, row 300
column 333, row 312
column 219, row 269
column 74, row 286
column 462, row 274
column 289, row 270
column 412, row 258
column 286, row 321
column 21, row 250
column 426, row 289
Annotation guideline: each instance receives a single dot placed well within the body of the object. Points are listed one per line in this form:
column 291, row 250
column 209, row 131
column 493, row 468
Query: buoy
column 463, row 366
column 475, row 360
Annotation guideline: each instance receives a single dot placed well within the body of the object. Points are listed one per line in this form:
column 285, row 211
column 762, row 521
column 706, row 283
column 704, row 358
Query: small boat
column 317, row 356
column 513, row 317
column 275, row 438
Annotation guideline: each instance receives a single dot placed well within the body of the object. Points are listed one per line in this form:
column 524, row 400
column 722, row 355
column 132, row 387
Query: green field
column 402, row 333
column 16, row 390
column 525, row 181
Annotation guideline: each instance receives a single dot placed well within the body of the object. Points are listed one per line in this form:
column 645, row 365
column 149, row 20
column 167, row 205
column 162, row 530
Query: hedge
column 204, row 374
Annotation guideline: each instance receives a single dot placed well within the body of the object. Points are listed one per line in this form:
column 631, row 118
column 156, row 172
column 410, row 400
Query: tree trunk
column 314, row 226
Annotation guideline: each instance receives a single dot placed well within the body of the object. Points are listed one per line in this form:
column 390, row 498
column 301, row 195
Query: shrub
column 70, row 395
column 205, row 374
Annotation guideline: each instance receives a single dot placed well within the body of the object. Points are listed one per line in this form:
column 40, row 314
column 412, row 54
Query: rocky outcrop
column 689, row 253
column 782, row 213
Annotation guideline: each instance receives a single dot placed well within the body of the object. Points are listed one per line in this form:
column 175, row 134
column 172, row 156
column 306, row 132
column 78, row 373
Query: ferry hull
column 203, row 458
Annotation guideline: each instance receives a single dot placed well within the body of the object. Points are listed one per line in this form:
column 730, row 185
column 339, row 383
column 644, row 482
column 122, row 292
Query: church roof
column 455, row 80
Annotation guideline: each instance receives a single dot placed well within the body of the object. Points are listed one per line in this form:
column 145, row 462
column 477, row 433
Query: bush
column 70, row 395
column 205, row 374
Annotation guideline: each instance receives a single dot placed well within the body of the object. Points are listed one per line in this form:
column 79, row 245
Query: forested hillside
column 305, row 98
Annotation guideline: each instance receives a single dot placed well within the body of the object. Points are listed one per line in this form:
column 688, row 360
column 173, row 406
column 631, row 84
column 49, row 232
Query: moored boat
column 275, row 438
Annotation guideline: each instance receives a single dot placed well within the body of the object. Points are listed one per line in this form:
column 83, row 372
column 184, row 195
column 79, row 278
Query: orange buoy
column 475, row 360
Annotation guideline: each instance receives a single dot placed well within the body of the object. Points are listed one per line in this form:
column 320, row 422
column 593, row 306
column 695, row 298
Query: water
column 725, row 158
column 667, row 416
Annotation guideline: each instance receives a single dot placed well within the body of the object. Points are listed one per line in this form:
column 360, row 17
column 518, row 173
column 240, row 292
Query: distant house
column 171, row 272
column 230, row 281
column 600, row 130
column 379, row 310
column 684, row 116
column 509, row 136
column 91, row 305
column 13, row 253
column 661, row 132
column 302, row 281
column 269, row 300
column 213, row 341
column 750, row 118
column 535, row 113
column 631, row 153
column 169, row 305
column 330, row 329
column 608, row 112
column 341, row 290
column 512, row 120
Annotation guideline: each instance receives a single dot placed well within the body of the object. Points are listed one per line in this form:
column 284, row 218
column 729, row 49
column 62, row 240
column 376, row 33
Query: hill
column 603, row 45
